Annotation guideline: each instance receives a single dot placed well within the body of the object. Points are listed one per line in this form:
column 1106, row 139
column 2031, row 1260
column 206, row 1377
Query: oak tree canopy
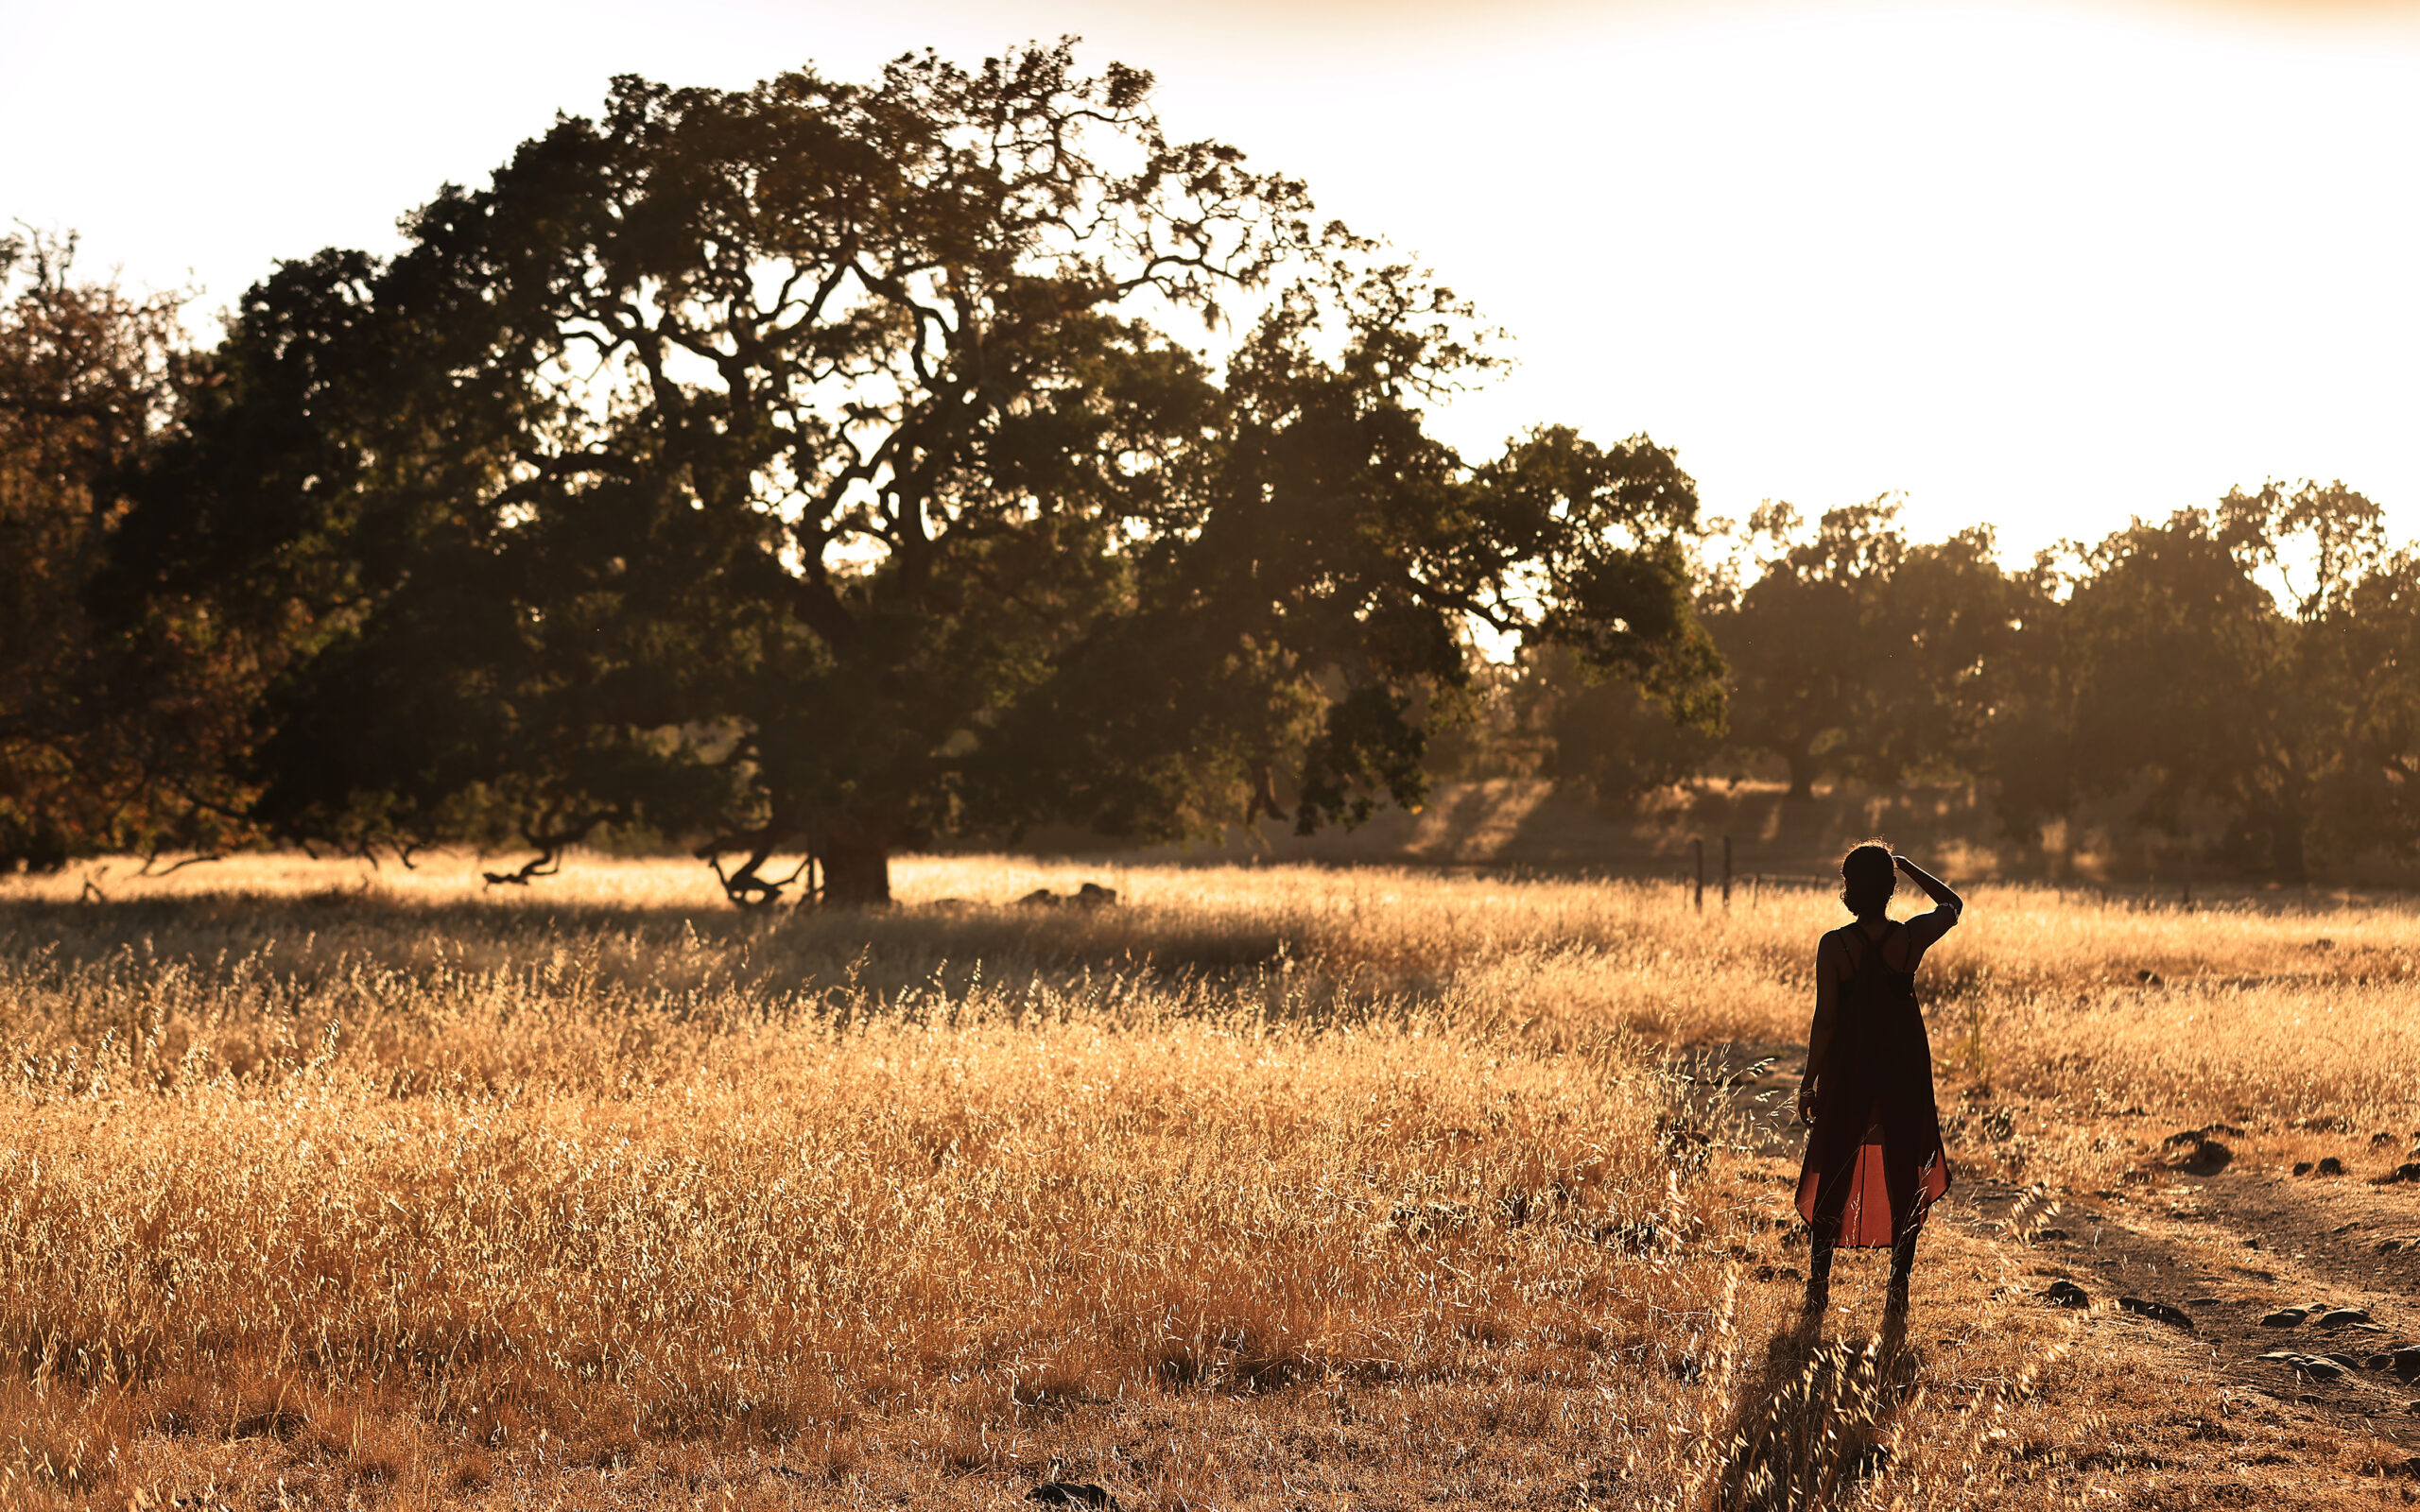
column 820, row 468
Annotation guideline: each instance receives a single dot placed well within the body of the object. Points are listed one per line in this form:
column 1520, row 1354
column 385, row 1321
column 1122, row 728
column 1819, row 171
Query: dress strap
column 1869, row 949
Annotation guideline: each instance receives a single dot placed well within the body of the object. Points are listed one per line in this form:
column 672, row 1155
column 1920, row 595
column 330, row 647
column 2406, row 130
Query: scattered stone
column 2406, row 1362
column 2150, row 978
column 2348, row 1361
column 2408, row 1171
column 2285, row 1317
column 2203, row 1155
column 1091, row 895
column 2381, row 1361
column 2066, row 1294
column 2159, row 1312
column 2342, row 1316
column 2203, row 1302
column 2320, row 1368
column 2279, row 1355
column 2052, row 1234
column 2206, row 1158
column 2330, row 1165
column 2388, row 1246
column 2302, row 1168
column 1067, row 1493
column 2383, row 1139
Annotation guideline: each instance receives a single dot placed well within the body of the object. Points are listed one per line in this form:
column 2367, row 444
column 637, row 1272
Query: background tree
column 1857, row 653
column 1796, row 638
column 2193, row 681
column 111, row 735
column 799, row 467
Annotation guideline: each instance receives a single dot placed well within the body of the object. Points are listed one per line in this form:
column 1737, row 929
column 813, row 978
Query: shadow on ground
column 1814, row 1416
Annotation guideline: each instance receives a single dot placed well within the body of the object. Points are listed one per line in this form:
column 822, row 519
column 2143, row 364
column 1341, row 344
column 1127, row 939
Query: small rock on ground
column 2161, row 1312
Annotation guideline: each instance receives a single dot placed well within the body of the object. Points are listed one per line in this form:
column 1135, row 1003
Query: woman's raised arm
column 1938, row 890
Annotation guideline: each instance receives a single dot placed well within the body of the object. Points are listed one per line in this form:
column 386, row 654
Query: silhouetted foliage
column 809, row 470
column 2240, row 678
column 2191, row 680
column 1858, row 654
column 113, row 735
column 797, row 469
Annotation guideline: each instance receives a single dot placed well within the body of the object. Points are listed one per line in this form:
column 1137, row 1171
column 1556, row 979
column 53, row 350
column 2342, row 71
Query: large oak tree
column 810, row 469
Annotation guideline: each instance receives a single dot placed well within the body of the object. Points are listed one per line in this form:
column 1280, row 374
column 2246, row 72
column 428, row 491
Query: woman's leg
column 1900, row 1176
column 1824, row 1238
column 1819, row 1266
column 1903, row 1263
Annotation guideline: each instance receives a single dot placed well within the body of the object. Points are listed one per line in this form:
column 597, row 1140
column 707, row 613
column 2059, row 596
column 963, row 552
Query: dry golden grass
column 1264, row 1188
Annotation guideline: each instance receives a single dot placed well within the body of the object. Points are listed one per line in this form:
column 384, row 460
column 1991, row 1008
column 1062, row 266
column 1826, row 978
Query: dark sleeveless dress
column 1874, row 1159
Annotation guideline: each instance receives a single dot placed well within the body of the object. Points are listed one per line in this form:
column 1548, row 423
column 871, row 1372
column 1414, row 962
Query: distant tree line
column 801, row 474
column 797, row 474
column 2253, row 667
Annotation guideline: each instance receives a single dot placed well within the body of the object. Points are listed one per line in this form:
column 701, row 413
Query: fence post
column 1726, row 873
column 1697, row 849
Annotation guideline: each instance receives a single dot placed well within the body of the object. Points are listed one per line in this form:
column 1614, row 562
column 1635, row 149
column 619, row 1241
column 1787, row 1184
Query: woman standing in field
column 1874, row 1160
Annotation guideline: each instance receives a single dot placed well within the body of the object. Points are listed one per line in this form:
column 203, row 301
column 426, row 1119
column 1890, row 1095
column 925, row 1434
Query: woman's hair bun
column 1868, row 878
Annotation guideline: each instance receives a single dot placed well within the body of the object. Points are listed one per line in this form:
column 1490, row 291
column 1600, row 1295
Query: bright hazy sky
column 2041, row 266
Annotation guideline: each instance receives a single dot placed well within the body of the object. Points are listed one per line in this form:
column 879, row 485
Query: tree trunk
column 1801, row 774
column 857, row 872
column 2286, row 850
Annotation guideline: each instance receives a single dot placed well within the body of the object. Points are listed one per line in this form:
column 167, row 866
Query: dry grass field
column 1265, row 1188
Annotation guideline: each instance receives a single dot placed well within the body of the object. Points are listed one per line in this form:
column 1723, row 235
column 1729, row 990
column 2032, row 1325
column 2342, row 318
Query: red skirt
column 1857, row 1175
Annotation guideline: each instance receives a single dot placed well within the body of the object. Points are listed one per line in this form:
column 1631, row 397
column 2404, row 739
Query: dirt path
column 2226, row 1247
column 2284, row 1278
